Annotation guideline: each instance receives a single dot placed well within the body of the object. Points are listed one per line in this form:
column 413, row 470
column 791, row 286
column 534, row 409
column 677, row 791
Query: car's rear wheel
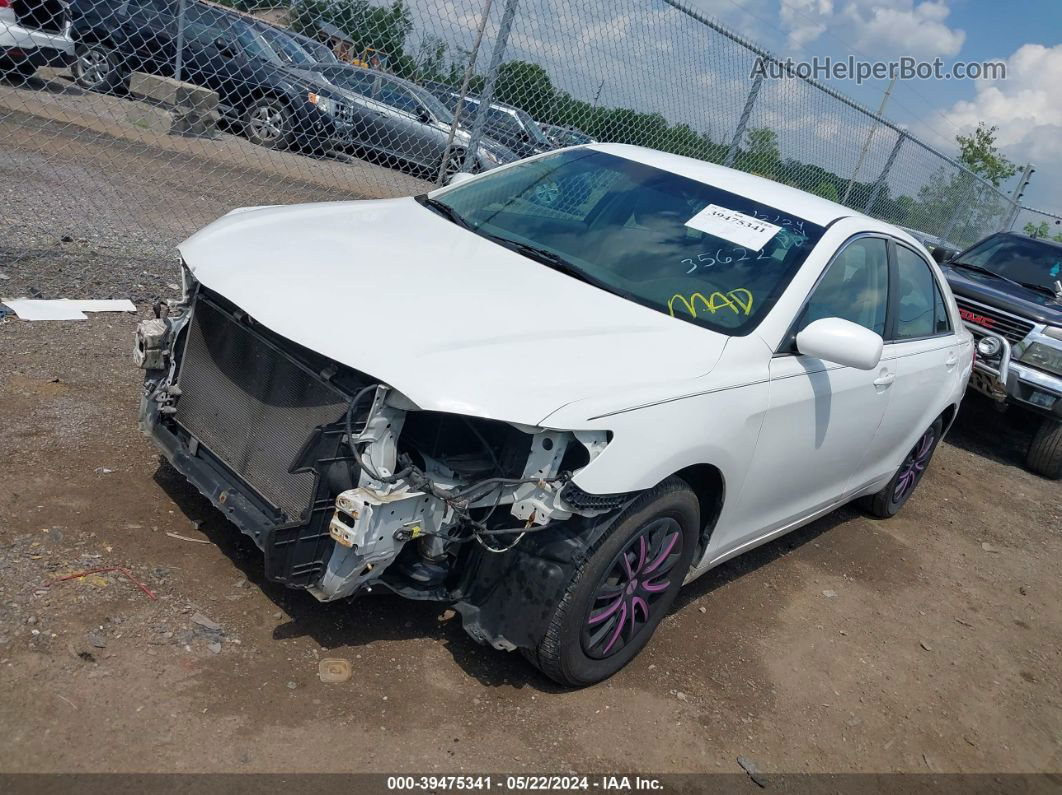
column 97, row 67
column 1045, row 451
column 268, row 122
column 898, row 491
column 623, row 589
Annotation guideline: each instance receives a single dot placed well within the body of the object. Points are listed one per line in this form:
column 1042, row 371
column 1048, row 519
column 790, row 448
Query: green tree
column 1032, row 230
column 761, row 154
column 979, row 153
column 827, row 190
column 525, row 85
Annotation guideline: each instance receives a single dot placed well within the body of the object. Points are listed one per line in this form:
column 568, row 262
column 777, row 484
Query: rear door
column 928, row 355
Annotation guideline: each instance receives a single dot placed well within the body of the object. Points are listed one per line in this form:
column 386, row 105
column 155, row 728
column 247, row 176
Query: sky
column 644, row 54
column 1026, row 34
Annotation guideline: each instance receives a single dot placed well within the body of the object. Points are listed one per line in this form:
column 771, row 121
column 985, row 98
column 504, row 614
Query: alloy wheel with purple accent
column 633, row 584
column 914, row 466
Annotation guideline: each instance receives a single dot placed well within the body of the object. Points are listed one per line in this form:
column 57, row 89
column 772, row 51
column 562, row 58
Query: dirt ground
column 930, row 642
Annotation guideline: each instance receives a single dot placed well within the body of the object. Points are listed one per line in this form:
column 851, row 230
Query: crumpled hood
column 455, row 322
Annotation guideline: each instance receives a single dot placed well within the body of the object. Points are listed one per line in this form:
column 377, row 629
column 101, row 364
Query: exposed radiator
column 251, row 406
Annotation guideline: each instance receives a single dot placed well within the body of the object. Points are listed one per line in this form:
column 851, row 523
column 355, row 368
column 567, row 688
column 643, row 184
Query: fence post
column 743, row 122
column 884, row 173
column 178, row 64
column 480, row 119
column 469, row 69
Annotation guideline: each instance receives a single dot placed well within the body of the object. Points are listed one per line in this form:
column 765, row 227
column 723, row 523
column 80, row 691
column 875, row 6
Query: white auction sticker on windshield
column 738, row 228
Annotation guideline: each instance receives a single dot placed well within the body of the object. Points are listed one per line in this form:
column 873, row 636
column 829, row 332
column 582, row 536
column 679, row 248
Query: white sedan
column 553, row 393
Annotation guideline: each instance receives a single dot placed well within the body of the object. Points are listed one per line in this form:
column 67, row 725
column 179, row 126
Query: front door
column 822, row 418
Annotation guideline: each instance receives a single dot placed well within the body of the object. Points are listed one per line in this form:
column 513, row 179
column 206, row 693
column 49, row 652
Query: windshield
column 253, row 43
column 630, row 229
column 1021, row 259
column 532, row 129
column 320, row 52
column 288, row 50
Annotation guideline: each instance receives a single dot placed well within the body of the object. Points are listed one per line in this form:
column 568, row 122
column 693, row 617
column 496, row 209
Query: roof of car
column 774, row 194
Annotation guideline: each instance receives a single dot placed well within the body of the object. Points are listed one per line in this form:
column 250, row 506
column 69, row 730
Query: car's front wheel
column 898, row 491
column 268, row 122
column 97, row 67
column 623, row 588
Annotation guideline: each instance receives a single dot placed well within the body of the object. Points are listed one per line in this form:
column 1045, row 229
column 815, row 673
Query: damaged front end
column 345, row 484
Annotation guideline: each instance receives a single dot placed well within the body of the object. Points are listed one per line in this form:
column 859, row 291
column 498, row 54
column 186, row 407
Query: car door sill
column 763, row 539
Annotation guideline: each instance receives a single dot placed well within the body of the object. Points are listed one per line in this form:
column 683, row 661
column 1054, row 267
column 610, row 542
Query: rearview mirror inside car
column 833, row 339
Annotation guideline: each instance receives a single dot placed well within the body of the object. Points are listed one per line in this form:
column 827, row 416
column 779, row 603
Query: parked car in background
column 509, row 126
column 1009, row 290
column 33, row 33
column 399, row 119
column 274, row 104
column 932, row 243
column 723, row 359
column 565, row 136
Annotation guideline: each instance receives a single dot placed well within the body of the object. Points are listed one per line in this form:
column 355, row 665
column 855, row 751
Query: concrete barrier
column 194, row 109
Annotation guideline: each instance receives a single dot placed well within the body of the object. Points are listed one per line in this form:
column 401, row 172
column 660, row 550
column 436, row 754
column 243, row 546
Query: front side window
column 629, row 228
column 916, row 308
column 855, row 287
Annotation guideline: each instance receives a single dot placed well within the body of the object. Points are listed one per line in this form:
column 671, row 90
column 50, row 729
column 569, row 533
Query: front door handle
column 885, row 379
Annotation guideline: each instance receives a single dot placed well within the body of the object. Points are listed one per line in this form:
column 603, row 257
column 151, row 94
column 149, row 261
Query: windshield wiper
column 1040, row 288
column 445, row 210
column 979, row 269
column 550, row 259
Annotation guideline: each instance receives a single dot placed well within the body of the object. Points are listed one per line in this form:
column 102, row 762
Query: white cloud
column 876, row 28
column 903, row 28
column 805, row 20
column 1026, row 107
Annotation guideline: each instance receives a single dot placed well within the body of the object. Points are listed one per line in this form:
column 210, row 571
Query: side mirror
column 424, row 116
column 841, row 342
column 458, row 177
column 940, row 254
column 224, row 47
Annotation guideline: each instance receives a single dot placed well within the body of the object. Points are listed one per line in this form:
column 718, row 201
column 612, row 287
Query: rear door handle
column 885, row 379
column 951, row 361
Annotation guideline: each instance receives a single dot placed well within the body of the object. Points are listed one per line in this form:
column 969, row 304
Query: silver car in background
column 399, row 119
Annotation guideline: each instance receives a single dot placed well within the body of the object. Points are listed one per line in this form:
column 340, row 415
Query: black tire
column 898, row 490
column 1045, row 450
column 268, row 122
column 97, row 67
column 567, row 653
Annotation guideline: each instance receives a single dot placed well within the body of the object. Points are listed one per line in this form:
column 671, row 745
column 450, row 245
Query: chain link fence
column 125, row 125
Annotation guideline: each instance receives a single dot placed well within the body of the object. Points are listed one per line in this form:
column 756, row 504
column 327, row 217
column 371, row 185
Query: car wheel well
column 708, row 484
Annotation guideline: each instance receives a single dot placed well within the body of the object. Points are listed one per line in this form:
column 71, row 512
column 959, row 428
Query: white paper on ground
column 738, row 228
column 103, row 304
column 65, row 309
column 36, row 309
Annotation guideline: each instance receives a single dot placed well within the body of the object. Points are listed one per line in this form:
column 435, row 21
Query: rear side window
column 920, row 305
column 855, row 287
column 940, row 313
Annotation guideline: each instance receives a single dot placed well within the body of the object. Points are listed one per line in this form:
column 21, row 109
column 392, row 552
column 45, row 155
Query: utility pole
column 1019, row 191
column 866, row 145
